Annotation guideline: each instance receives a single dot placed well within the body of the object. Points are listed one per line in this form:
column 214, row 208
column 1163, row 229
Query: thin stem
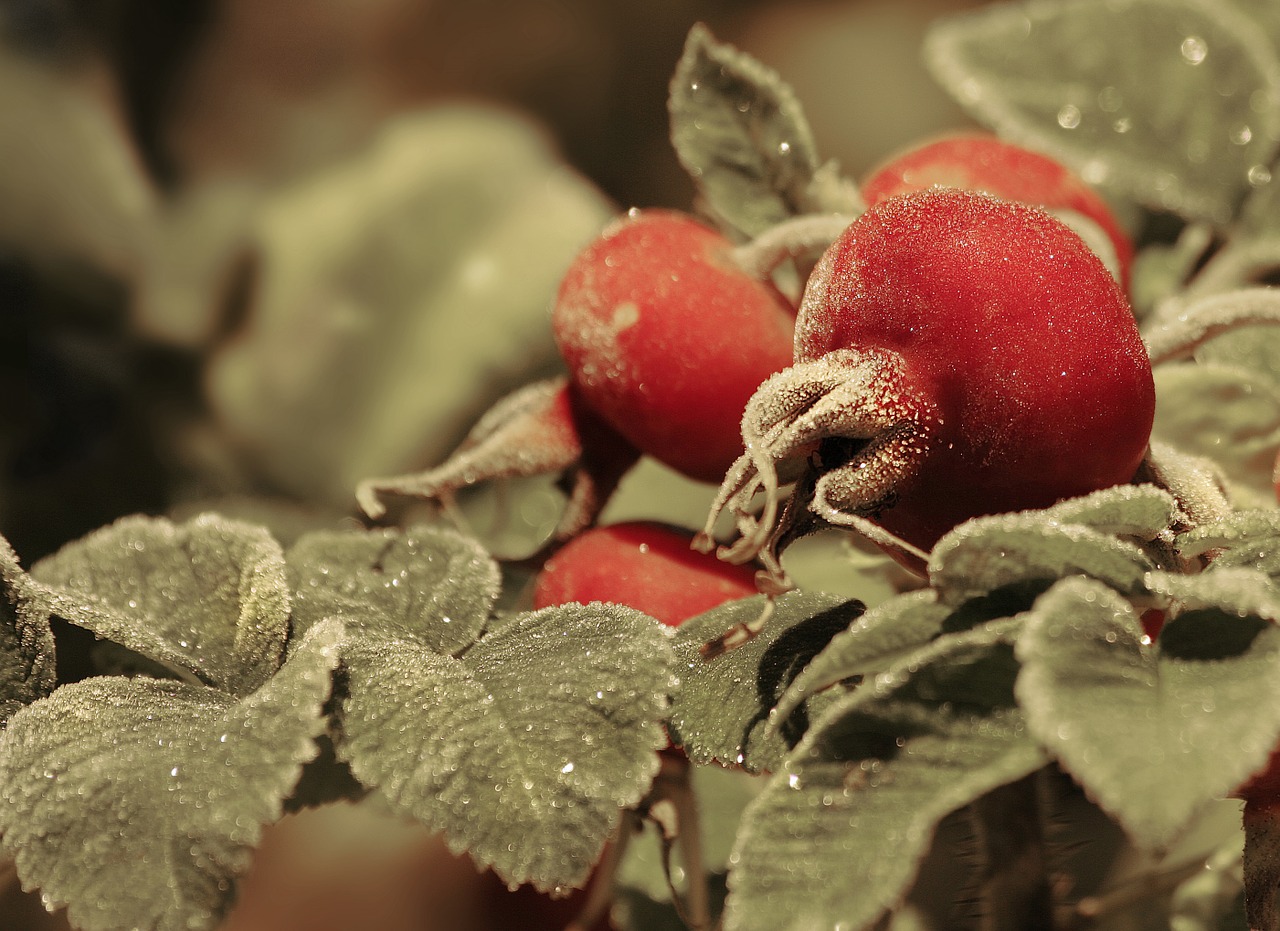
column 807, row 235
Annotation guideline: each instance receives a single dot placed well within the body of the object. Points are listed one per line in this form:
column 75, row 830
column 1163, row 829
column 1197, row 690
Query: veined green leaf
column 137, row 802
column 524, row 751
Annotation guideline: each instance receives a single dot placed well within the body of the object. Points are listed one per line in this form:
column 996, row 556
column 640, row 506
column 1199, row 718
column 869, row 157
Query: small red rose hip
column 666, row 338
column 979, row 162
column 643, row 565
column 956, row 354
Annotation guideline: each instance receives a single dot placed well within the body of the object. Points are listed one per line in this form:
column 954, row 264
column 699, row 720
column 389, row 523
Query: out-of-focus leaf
column 137, row 802
column 1226, row 413
column 395, row 295
column 26, row 641
column 73, row 186
column 721, row 713
column 545, row 729
column 208, row 596
column 867, row 787
column 1199, row 714
column 426, row 584
column 1173, row 103
column 742, row 136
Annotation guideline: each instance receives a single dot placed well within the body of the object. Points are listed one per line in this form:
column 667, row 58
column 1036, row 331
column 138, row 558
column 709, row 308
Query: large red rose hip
column 956, row 354
column 666, row 338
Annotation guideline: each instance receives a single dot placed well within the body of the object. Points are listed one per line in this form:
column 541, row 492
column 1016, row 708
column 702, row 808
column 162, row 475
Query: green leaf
column 721, row 713
column 429, row 585
column 1232, row 590
column 884, row 635
column 739, row 132
column 1153, row 735
column 869, row 784
column 524, row 751
column 1226, row 413
column 988, row 553
column 207, row 596
column 137, row 802
column 1248, row 539
column 1139, row 511
column 1169, row 102
column 27, row 669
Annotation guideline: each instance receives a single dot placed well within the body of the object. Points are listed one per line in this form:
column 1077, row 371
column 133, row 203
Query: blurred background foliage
column 253, row 252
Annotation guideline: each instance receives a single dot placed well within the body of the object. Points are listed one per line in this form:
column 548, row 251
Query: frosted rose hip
column 956, row 354
column 666, row 338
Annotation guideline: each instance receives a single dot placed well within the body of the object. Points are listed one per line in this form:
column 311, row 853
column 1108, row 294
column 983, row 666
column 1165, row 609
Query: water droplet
column 1194, row 49
column 1069, row 116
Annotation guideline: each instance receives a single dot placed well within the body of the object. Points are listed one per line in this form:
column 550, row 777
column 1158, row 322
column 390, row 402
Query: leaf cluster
column 135, row 795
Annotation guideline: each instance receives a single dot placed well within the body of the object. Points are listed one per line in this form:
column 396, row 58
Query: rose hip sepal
column 956, row 354
column 666, row 337
column 539, row 429
column 982, row 162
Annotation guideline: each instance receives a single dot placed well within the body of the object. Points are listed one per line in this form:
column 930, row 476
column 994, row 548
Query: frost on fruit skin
column 666, row 337
column 539, row 429
column 982, row 162
column 956, row 354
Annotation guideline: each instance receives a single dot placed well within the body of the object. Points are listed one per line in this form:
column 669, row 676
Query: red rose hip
column 666, row 338
column 644, row 565
column 956, row 354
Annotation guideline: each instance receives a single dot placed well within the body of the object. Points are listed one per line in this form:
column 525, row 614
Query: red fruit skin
column 1016, row 333
column 666, row 338
column 644, row 565
column 1264, row 785
column 979, row 162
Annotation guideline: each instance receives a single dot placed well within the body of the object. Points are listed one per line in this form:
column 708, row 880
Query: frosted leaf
column 1169, row 102
column 1247, row 538
column 721, row 713
column 524, row 751
column 739, row 132
column 1200, row 713
column 429, row 585
column 1228, row 414
column 1182, row 327
column 137, row 802
column 1140, row 511
column 987, row 553
column 26, row 642
column 1233, row 590
column 722, row 795
column 1194, row 481
column 207, row 596
column 868, row 785
column 882, row 636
